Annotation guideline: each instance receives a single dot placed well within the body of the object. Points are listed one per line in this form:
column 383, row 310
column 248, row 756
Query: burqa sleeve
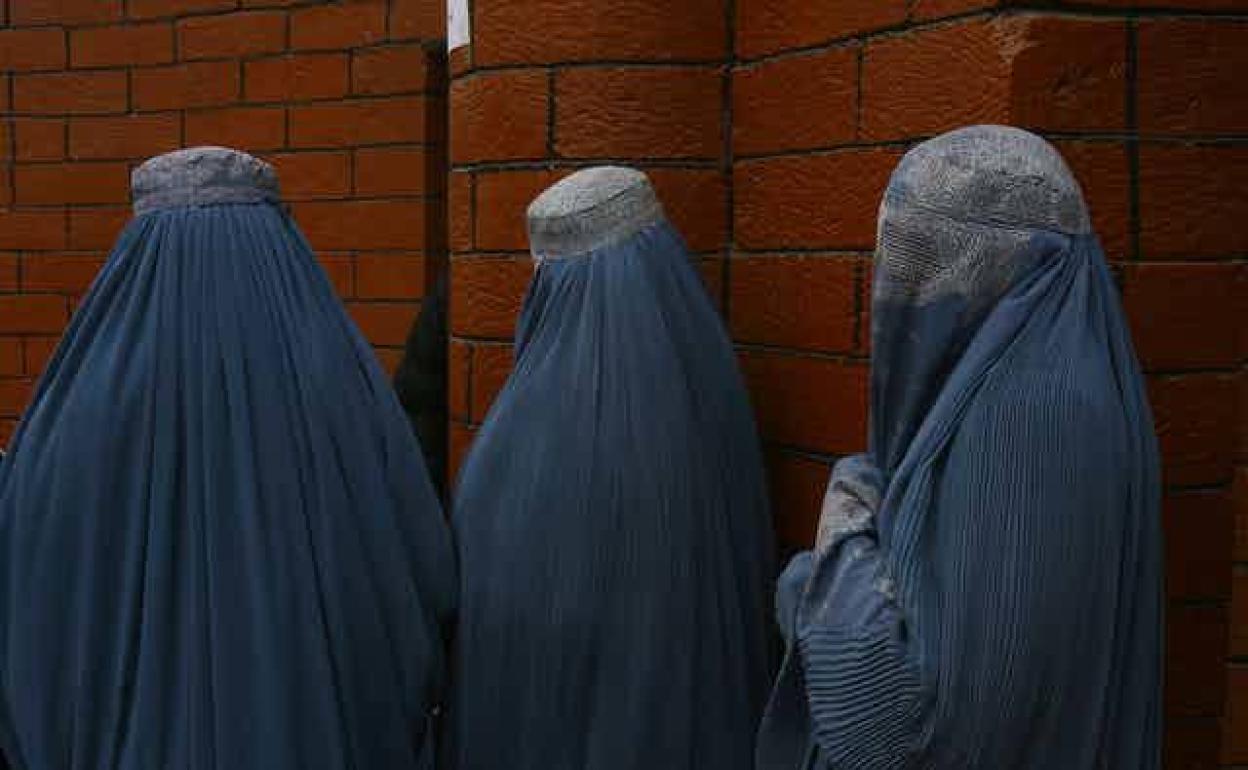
column 1007, row 506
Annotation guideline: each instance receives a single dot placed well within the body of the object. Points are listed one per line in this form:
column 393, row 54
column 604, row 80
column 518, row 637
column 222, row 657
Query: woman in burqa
column 220, row 548
column 611, row 517
column 985, row 589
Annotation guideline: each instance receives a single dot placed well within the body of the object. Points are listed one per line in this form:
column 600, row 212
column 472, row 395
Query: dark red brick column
column 346, row 99
column 549, row 86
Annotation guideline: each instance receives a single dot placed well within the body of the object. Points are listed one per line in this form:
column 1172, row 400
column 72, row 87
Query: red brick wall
column 346, row 99
column 774, row 146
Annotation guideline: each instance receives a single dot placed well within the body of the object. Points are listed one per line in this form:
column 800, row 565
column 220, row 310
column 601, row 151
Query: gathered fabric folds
column 219, row 548
column 986, row 592
column 613, row 531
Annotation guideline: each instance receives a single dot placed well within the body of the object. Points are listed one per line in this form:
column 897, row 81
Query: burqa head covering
column 986, row 588
column 611, row 518
column 220, row 546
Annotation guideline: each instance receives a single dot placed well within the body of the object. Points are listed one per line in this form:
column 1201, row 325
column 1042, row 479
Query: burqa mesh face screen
column 986, row 589
column 613, row 531
column 220, row 546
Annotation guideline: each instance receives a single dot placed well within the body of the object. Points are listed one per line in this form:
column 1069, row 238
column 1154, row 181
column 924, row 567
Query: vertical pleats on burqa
column 613, row 531
column 219, row 549
column 985, row 592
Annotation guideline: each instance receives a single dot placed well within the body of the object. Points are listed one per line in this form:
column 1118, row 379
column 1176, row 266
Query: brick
column 797, row 484
column 695, row 201
column 1196, row 5
column 122, row 45
column 1236, row 733
column 124, row 136
column 7, row 429
column 60, row 273
column 417, row 19
column 358, row 23
column 555, row 31
column 198, row 84
column 1187, row 80
column 459, row 61
column 296, row 77
column 803, row 301
column 1239, row 612
column 32, row 314
column 1239, row 493
column 71, row 92
column 1191, row 201
column 817, row 404
column 459, row 357
column 460, row 224
column 149, row 9
column 39, row 138
column 822, row 201
column 499, row 116
column 486, row 293
column 22, row 12
column 502, row 199
column 1195, row 674
column 42, row 48
column 95, row 228
column 374, row 121
column 8, row 273
column 1186, row 316
column 1199, row 535
column 657, row 113
column 767, row 26
column 394, row 171
column 390, row 276
column 48, row 183
column 247, row 128
column 10, row 356
column 796, row 103
column 340, row 269
column 309, row 175
column 1195, row 421
column 384, row 323
column 22, row 230
column 389, row 358
column 39, row 351
column 491, row 366
column 244, row 33
column 15, row 394
column 363, row 225
column 925, row 10
column 1045, row 73
column 393, row 70
column 1104, row 172
column 1191, row 743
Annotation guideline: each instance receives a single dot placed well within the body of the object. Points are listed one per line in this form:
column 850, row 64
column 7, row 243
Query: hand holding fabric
column 850, row 502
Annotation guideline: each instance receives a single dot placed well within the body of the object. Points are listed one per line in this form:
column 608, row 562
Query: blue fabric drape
column 219, row 549
column 999, row 606
column 613, row 532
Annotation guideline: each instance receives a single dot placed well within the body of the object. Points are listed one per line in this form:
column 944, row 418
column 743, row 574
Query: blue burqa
column 613, row 532
column 219, row 549
column 985, row 592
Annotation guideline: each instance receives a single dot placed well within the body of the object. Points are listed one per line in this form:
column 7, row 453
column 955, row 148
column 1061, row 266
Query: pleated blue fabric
column 613, row 531
column 986, row 589
column 220, row 547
